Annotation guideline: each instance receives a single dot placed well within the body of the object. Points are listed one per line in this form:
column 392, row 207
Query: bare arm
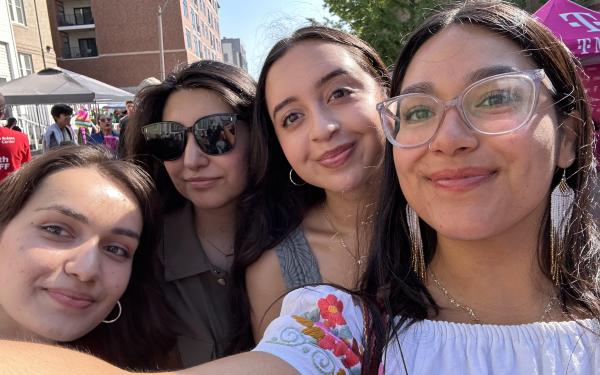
column 23, row 358
column 266, row 288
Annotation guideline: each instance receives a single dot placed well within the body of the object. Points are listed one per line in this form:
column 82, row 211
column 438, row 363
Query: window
column 17, row 11
column 83, row 16
column 26, row 64
column 194, row 20
column 188, row 39
column 87, row 47
column 197, row 47
column 185, row 8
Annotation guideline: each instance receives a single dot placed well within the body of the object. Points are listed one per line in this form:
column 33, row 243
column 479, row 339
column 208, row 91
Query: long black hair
column 141, row 336
column 276, row 205
column 390, row 280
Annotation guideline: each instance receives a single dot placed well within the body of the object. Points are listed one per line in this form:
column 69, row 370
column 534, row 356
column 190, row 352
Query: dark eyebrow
column 326, row 78
column 126, row 232
column 418, row 88
column 283, row 103
column 329, row 76
column 83, row 219
column 67, row 212
column 488, row 71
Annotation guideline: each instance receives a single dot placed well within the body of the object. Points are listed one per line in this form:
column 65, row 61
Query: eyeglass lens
column 214, row 134
column 492, row 106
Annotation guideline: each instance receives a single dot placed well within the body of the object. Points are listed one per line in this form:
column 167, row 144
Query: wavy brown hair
column 278, row 206
column 140, row 338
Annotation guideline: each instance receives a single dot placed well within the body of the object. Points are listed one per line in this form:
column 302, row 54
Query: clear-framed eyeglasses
column 495, row 105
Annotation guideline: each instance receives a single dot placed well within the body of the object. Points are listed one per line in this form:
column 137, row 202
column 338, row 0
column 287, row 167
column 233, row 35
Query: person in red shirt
column 14, row 151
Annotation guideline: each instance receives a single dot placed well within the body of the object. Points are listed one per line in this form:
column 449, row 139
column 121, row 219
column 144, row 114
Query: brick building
column 117, row 41
column 29, row 32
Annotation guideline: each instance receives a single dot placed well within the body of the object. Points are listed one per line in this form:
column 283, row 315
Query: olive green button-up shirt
column 197, row 291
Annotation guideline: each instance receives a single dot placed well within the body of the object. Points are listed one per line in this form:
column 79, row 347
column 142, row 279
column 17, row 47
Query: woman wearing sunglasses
column 106, row 136
column 192, row 133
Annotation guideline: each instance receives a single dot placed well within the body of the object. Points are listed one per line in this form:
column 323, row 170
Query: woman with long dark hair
column 78, row 234
column 192, row 134
column 315, row 171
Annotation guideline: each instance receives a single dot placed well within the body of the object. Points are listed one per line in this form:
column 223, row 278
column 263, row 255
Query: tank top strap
column 298, row 263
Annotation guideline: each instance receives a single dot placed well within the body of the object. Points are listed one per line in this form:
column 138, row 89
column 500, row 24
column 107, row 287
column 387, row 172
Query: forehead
column 188, row 105
column 460, row 50
column 86, row 184
column 305, row 64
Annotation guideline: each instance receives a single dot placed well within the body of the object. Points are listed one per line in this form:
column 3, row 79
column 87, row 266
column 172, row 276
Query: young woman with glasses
column 192, row 133
column 107, row 136
column 316, row 184
column 486, row 254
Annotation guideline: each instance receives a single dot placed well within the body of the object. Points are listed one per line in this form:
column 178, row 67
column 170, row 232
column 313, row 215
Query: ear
column 568, row 132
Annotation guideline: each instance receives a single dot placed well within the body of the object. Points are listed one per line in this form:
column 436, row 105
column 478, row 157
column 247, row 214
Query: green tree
column 385, row 24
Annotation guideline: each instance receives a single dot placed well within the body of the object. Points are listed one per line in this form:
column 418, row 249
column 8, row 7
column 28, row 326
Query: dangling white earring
column 561, row 207
column 292, row 179
column 417, row 258
column 118, row 314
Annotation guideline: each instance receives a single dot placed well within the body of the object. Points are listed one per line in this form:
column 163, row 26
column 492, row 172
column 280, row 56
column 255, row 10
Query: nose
column 453, row 135
column 193, row 157
column 84, row 261
column 323, row 126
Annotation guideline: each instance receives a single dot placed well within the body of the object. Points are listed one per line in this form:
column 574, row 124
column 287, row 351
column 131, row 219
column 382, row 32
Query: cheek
column 116, row 279
column 174, row 168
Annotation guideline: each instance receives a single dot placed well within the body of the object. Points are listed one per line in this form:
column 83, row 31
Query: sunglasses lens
column 165, row 140
column 216, row 134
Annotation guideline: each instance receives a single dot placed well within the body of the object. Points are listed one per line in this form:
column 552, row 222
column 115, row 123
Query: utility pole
column 37, row 21
column 161, row 46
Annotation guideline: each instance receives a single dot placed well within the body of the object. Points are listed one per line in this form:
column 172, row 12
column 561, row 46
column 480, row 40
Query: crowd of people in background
column 441, row 217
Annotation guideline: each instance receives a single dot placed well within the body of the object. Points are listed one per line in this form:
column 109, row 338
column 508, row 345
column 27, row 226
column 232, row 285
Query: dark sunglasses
column 214, row 134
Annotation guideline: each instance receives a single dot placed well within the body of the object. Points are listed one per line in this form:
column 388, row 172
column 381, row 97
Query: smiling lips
column 461, row 179
column 70, row 299
column 202, row 182
column 337, row 156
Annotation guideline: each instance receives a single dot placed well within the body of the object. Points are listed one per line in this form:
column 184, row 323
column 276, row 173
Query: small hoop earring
column 118, row 314
column 292, row 179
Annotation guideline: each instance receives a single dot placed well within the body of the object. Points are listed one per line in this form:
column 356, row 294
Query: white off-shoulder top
column 321, row 331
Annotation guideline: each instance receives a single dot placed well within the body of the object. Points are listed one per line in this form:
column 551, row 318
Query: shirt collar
column 182, row 254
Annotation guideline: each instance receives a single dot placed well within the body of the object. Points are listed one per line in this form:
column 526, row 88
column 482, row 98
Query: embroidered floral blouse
column 321, row 331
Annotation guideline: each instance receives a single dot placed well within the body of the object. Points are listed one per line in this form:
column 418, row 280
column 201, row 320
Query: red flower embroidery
column 340, row 349
column 331, row 310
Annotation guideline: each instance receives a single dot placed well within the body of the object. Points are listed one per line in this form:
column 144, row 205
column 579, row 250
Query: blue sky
column 260, row 23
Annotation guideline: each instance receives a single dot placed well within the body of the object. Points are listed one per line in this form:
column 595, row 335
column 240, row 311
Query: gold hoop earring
column 292, row 179
column 561, row 207
column 118, row 314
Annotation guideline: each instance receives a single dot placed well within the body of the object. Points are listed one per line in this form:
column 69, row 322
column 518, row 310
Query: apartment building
column 25, row 38
column 234, row 52
column 117, row 41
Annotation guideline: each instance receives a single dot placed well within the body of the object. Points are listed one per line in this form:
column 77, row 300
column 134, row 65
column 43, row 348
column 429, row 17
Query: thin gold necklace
column 359, row 260
column 472, row 313
column 225, row 254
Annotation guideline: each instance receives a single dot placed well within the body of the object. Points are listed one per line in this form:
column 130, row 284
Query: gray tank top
column 298, row 263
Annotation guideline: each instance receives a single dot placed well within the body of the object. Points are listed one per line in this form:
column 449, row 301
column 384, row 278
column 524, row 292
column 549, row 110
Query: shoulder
column 264, row 278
